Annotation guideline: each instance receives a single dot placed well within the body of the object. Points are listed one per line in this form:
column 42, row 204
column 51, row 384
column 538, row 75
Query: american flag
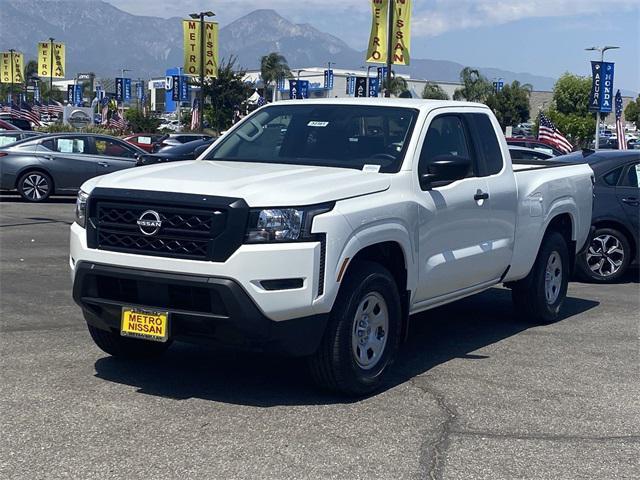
column 261, row 101
column 622, row 141
column 54, row 108
column 104, row 104
column 548, row 131
column 195, row 116
column 28, row 114
column 117, row 122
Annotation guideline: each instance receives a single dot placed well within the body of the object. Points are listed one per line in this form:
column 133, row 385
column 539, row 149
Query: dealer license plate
column 145, row 324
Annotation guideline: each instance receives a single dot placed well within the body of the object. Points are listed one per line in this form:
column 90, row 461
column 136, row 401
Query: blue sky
column 544, row 37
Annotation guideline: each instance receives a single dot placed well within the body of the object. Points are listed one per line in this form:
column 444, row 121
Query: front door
column 68, row 159
column 453, row 219
column 628, row 193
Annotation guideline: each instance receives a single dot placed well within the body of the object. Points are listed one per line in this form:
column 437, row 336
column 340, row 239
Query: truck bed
column 525, row 165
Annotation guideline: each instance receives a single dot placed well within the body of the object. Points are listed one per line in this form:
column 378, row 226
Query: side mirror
column 443, row 170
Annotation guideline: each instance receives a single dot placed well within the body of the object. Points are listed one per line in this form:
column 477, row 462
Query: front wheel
column 363, row 332
column 607, row 257
column 538, row 297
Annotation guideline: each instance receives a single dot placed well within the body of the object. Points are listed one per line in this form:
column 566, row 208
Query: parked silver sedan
column 59, row 164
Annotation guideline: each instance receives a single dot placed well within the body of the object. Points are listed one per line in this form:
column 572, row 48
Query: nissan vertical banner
column 377, row 49
column 601, row 96
column 45, row 54
column 401, row 31
column 191, row 32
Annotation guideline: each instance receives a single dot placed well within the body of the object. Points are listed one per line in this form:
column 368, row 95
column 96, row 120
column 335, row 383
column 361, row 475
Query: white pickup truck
column 315, row 228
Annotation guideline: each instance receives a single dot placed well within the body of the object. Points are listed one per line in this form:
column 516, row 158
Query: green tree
column 570, row 109
column 632, row 112
column 30, row 70
column 475, row 87
column 139, row 122
column 511, row 104
column 225, row 93
column 272, row 68
column 397, row 86
column 434, row 91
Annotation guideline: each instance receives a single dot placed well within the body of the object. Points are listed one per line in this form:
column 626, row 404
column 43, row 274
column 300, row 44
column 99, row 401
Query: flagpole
column 51, row 39
column 11, row 50
column 387, row 92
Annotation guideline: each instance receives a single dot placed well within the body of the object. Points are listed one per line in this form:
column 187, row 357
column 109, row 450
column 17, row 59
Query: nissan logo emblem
column 149, row 222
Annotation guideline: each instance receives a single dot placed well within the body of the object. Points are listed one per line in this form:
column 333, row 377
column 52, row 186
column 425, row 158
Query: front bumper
column 202, row 309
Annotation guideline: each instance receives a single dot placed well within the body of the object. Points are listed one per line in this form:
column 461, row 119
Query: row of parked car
column 38, row 166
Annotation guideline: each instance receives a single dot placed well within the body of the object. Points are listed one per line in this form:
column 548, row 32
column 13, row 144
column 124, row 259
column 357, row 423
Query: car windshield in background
column 347, row 136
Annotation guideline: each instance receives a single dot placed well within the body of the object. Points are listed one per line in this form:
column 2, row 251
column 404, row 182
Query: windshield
column 348, row 136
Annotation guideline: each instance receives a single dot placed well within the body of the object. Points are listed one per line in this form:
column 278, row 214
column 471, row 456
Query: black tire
column 35, row 186
column 334, row 365
column 529, row 294
column 597, row 250
column 119, row 346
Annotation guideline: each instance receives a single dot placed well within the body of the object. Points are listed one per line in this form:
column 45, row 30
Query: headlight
column 282, row 224
column 81, row 208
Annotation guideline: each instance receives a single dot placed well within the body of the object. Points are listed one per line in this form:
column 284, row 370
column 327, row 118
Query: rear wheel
column 35, row 186
column 119, row 346
column 539, row 296
column 363, row 332
column 607, row 257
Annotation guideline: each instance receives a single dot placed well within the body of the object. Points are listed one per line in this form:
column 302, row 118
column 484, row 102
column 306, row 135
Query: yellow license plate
column 145, row 324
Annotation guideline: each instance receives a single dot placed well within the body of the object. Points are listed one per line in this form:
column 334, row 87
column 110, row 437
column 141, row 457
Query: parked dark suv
column 616, row 209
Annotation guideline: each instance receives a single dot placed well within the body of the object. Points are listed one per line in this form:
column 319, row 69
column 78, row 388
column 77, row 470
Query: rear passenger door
column 628, row 193
column 113, row 155
column 502, row 189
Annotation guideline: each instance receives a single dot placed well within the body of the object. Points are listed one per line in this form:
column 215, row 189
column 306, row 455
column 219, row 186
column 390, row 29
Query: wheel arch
column 36, row 168
column 564, row 224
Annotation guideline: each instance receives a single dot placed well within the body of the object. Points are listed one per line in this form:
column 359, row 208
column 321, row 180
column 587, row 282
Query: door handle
column 480, row 195
column 631, row 201
column 103, row 164
column 48, row 157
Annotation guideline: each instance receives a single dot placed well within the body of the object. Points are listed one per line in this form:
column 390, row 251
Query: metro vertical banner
column 45, row 67
column 191, row 32
column 6, row 58
column 377, row 49
column 401, row 33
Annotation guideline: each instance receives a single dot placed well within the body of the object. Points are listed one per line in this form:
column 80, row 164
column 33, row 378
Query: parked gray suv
column 60, row 163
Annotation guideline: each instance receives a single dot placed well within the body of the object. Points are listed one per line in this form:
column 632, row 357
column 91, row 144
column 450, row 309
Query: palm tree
column 31, row 70
column 475, row 87
column 273, row 67
column 396, row 86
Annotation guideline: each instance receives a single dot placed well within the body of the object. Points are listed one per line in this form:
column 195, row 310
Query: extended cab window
column 446, row 136
column 346, row 136
column 486, row 143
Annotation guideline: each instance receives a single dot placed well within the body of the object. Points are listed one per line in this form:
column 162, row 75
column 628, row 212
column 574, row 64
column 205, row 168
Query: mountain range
column 101, row 38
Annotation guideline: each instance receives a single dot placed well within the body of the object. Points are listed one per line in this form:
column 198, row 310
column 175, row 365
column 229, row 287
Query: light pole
column 201, row 16
column 51, row 39
column 11, row 51
column 601, row 50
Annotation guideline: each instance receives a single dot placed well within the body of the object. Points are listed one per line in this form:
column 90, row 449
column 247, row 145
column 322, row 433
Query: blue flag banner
column 127, row 89
column 293, row 89
column 119, row 89
column 328, row 79
column 351, row 85
column 498, row 86
column 36, row 93
column 303, row 91
column 77, row 95
column 70, row 94
column 184, row 89
column 374, row 85
column 361, row 87
column 175, row 88
column 382, row 74
column 139, row 91
column 601, row 95
column 281, row 84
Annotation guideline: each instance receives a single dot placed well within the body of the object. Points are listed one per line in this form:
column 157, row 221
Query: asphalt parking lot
column 475, row 394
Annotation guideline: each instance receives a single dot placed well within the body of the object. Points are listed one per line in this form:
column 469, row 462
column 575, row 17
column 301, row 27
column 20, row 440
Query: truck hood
column 259, row 184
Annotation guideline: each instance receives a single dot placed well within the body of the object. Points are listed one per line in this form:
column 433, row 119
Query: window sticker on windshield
column 371, row 168
column 315, row 123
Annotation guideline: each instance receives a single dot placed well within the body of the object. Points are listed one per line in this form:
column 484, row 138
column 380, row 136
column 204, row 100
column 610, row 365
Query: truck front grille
column 190, row 226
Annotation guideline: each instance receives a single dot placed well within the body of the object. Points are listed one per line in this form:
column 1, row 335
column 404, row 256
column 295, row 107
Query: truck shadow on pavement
column 437, row 336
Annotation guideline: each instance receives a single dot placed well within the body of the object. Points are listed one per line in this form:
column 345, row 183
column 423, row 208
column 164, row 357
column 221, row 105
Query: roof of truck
column 393, row 102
